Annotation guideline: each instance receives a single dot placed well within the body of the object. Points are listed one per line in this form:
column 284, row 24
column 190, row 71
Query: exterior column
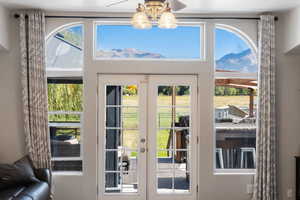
column 251, row 102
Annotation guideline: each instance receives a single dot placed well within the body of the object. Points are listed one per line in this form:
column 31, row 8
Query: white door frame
column 147, row 85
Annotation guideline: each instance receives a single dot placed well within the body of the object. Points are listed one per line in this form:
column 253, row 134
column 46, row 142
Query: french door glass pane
column 182, row 137
column 113, row 140
column 130, row 139
column 183, row 97
column 164, row 96
column 181, row 181
column 129, row 182
column 130, row 117
column 165, row 160
column 121, row 139
column 113, row 160
column 133, row 158
column 113, row 117
column 164, row 139
column 112, row 182
column 113, row 96
column 164, row 117
column 182, row 117
column 164, row 181
column 130, row 96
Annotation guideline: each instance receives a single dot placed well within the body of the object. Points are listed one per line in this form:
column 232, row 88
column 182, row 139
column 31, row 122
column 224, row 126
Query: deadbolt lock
column 143, row 150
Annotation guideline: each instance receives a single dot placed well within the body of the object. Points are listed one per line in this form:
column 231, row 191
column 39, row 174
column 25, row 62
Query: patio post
column 251, row 102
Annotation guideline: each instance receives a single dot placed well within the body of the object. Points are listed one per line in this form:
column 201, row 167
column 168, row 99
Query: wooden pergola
column 236, row 82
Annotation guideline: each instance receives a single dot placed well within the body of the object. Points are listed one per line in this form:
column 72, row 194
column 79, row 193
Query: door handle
column 142, row 150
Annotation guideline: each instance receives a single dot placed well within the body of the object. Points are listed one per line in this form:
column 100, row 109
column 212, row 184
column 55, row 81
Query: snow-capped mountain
column 244, row 61
column 127, row 53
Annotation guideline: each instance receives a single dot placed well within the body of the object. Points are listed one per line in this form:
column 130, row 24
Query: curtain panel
column 34, row 87
column 265, row 182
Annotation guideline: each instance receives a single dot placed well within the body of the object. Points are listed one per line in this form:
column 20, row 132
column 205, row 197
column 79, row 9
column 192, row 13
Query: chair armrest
column 43, row 174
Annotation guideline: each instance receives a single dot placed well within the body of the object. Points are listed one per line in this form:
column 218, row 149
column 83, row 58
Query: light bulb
column 167, row 20
column 140, row 20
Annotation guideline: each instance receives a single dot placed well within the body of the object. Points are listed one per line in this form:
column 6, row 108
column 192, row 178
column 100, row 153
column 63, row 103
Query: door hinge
column 197, row 139
column 197, row 188
column 197, row 89
column 97, row 140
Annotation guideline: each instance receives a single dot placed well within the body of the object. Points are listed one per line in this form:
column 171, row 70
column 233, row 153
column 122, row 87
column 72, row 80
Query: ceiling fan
column 175, row 5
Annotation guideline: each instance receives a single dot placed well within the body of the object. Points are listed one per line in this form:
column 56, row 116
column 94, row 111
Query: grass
column 221, row 101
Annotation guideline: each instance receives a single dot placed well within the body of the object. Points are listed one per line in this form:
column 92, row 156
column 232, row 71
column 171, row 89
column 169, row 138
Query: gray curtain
column 265, row 184
column 34, row 87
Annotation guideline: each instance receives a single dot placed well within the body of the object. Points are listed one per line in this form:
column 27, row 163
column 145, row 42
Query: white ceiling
column 193, row 6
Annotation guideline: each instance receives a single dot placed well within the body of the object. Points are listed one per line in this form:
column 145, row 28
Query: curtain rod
column 105, row 17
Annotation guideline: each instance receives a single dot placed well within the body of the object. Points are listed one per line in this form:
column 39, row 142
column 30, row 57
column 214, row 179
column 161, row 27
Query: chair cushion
column 19, row 173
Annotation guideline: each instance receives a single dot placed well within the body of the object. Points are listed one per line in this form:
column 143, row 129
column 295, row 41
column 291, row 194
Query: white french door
column 147, row 136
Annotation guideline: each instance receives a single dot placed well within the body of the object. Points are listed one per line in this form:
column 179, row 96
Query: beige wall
column 212, row 187
column 11, row 125
column 288, row 109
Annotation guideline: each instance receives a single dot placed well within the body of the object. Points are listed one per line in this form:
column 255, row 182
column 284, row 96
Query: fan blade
column 176, row 5
column 116, row 3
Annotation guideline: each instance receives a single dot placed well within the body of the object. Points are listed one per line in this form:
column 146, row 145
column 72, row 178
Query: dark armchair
column 39, row 188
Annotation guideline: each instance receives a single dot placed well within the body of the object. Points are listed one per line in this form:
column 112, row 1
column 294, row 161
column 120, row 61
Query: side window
column 65, row 95
column 235, row 101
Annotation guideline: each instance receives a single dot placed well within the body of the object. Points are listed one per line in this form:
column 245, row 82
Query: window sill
column 66, row 159
column 234, row 171
column 67, row 173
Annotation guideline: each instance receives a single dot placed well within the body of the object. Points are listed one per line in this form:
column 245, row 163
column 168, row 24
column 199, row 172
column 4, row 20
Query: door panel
column 172, row 145
column 122, row 166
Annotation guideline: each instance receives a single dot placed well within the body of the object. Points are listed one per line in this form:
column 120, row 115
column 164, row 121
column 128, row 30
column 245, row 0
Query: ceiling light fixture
column 151, row 12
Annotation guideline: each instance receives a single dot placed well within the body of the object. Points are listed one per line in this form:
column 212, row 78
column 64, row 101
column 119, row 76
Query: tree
column 65, row 97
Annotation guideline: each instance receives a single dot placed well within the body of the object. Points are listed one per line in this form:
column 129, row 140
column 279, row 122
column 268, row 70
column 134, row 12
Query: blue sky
column 228, row 42
column 181, row 42
column 76, row 29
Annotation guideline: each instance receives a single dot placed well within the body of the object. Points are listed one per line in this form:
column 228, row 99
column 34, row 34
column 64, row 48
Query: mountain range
column 127, row 53
column 244, row 61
